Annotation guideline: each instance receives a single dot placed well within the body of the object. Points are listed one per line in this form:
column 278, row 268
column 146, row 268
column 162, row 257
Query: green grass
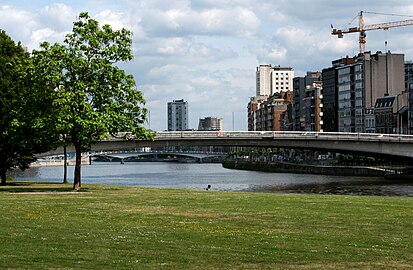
column 43, row 226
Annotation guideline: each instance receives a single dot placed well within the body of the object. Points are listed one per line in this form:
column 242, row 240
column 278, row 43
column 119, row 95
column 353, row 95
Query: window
column 342, row 71
column 343, row 79
column 345, row 87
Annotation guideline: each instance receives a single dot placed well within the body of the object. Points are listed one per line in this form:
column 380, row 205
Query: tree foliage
column 23, row 119
column 94, row 98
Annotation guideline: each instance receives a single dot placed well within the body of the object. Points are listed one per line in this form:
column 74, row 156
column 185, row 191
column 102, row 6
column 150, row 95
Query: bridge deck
column 362, row 143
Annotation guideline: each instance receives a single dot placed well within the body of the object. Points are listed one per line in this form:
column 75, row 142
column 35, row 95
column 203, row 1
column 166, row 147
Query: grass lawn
column 46, row 226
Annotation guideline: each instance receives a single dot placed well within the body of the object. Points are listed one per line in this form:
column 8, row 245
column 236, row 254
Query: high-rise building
column 361, row 83
column 273, row 79
column 300, row 85
column 330, row 94
column 177, row 115
column 263, row 80
column 210, row 124
column 313, row 101
column 282, row 79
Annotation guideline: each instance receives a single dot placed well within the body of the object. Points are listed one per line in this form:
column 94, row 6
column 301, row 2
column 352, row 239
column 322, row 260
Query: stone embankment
column 58, row 162
column 283, row 167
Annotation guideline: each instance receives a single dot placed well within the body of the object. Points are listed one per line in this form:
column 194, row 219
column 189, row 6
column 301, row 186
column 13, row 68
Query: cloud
column 17, row 23
column 238, row 21
column 58, row 15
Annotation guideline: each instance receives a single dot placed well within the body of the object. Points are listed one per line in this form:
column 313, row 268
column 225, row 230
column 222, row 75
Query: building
column 391, row 114
column 263, row 80
column 282, row 79
column 273, row 79
column 313, row 101
column 408, row 73
column 299, row 87
column 330, row 93
column 272, row 114
column 361, row 83
column 210, row 124
column 177, row 115
column 253, row 107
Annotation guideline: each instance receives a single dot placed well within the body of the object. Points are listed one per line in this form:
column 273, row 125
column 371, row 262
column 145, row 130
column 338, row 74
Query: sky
column 206, row 51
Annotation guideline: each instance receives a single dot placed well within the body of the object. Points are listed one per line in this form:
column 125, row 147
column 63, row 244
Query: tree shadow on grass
column 27, row 187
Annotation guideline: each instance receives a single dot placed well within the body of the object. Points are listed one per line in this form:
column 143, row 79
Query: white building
column 270, row 80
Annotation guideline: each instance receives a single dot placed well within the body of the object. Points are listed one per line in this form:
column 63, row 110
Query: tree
column 23, row 106
column 96, row 98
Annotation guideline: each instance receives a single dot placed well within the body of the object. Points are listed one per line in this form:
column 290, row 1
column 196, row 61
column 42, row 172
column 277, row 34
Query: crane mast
column 362, row 28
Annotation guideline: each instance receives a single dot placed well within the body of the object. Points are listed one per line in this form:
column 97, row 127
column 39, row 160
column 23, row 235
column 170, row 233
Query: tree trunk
column 64, row 164
column 3, row 177
column 78, row 164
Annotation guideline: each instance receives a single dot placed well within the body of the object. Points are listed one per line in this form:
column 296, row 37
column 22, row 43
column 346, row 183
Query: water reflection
column 199, row 176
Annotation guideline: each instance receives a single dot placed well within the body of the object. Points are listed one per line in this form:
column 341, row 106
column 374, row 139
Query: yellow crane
column 362, row 28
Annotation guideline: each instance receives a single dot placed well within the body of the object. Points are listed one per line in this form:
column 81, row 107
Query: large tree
column 24, row 119
column 96, row 98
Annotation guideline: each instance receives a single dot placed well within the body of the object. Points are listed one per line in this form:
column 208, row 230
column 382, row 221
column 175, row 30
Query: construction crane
column 362, row 28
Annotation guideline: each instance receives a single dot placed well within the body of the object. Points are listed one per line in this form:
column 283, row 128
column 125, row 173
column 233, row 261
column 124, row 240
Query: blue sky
column 206, row 51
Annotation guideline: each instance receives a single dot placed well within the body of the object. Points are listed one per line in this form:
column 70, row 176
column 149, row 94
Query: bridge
column 393, row 145
column 185, row 157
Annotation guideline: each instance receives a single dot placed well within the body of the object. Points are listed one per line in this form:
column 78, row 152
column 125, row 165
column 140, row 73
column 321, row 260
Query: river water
column 199, row 176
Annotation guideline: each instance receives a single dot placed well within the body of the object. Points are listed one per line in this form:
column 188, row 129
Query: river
column 199, row 176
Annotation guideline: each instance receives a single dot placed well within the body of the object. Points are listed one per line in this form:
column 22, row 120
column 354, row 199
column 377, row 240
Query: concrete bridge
column 399, row 146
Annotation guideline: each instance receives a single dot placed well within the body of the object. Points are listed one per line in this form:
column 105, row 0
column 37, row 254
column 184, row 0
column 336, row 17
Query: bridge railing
column 283, row 135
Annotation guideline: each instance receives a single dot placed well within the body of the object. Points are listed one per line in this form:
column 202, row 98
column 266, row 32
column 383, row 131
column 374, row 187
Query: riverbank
column 284, row 167
column 146, row 228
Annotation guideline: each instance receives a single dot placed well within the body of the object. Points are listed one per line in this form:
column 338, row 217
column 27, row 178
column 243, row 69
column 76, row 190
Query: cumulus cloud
column 179, row 22
column 58, row 15
column 18, row 23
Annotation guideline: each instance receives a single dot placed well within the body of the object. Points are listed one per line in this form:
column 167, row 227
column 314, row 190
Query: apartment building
column 271, row 114
column 313, row 101
column 299, row 89
column 177, row 115
column 361, row 83
column 273, row 79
